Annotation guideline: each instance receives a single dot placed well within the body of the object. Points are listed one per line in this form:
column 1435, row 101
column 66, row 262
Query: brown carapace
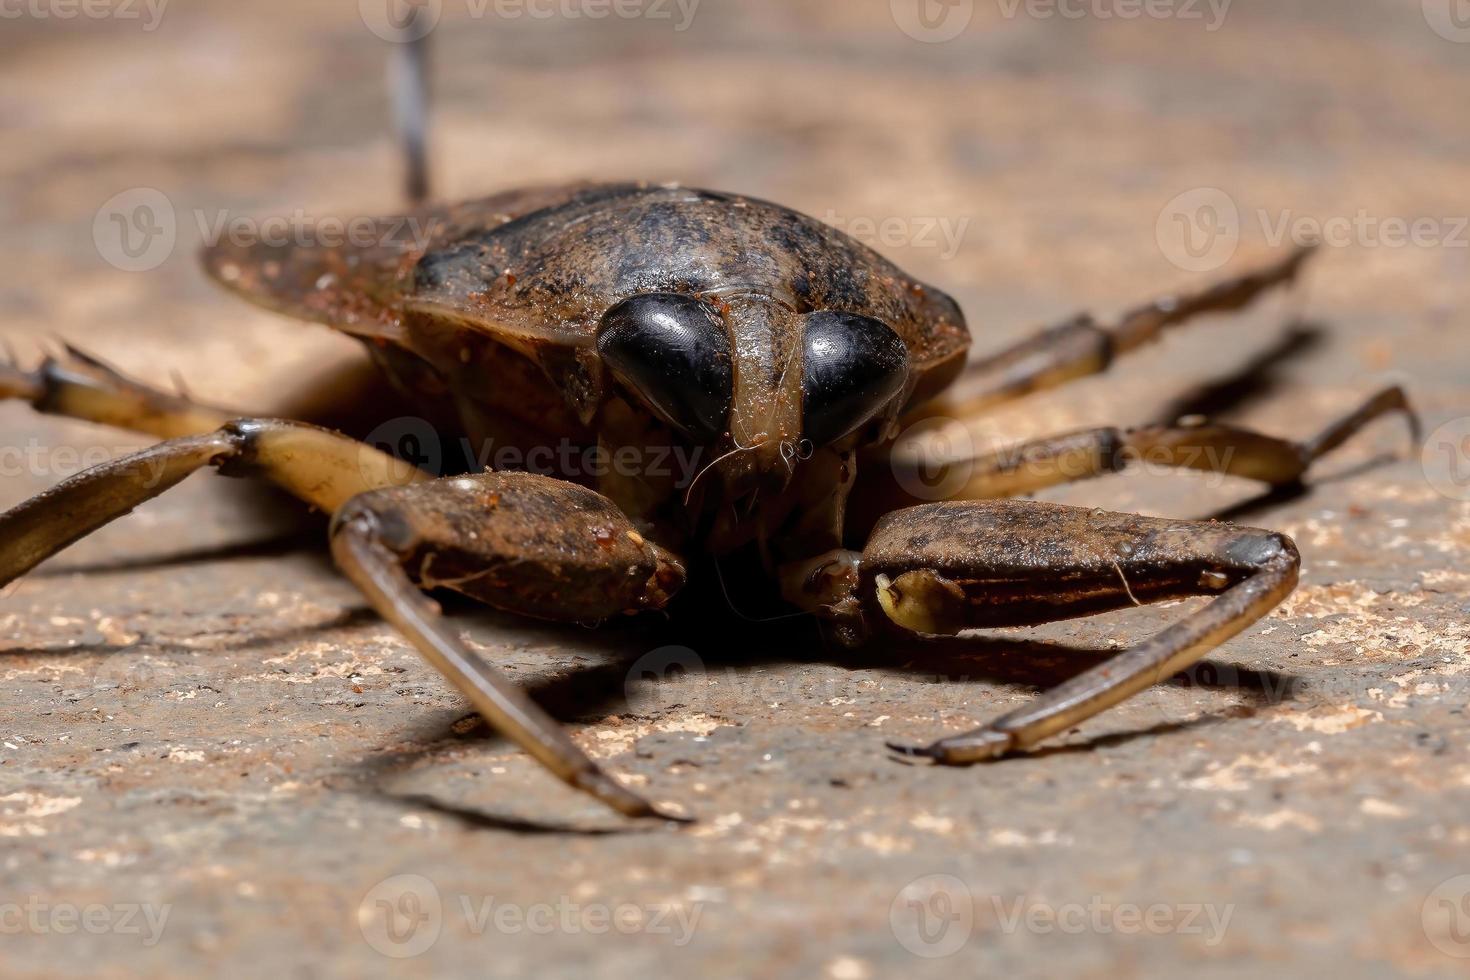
column 777, row 355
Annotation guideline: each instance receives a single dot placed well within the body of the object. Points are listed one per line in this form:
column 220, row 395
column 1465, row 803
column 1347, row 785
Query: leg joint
column 1112, row 450
column 370, row 516
column 243, row 457
column 49, row 380
column 1265, row 550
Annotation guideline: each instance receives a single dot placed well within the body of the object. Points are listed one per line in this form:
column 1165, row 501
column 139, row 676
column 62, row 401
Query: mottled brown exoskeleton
column 782, row 355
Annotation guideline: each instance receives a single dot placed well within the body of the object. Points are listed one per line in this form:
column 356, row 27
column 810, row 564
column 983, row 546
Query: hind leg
column 1082, row 346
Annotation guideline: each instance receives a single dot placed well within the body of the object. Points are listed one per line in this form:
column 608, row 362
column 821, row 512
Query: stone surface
column 201, row 719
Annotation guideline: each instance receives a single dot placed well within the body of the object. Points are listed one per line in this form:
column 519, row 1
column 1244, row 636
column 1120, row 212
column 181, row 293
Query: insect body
column 638, row 316
column 781, row 355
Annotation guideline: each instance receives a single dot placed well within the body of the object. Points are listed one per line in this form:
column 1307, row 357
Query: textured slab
column 201, row 720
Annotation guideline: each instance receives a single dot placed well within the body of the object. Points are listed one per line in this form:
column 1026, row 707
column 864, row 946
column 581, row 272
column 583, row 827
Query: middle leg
column 1031, row 466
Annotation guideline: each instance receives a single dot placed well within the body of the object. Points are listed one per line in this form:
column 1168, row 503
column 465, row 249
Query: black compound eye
column 674, row 354
column 853, row 367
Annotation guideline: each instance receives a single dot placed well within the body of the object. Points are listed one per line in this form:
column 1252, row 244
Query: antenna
column 408, row 85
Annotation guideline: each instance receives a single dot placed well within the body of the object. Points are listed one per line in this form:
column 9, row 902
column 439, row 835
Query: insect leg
column 943, row 568
column 523, row 543
column 1082, row 346
column 83, row 387
column 320, row 467
column 43, row 525
column 1032, row 466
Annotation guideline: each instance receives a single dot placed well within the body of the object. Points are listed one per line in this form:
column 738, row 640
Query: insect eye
column 673, row 353
column 853, row 367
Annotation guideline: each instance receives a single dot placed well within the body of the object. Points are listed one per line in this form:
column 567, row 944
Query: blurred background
column 1035, row 158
